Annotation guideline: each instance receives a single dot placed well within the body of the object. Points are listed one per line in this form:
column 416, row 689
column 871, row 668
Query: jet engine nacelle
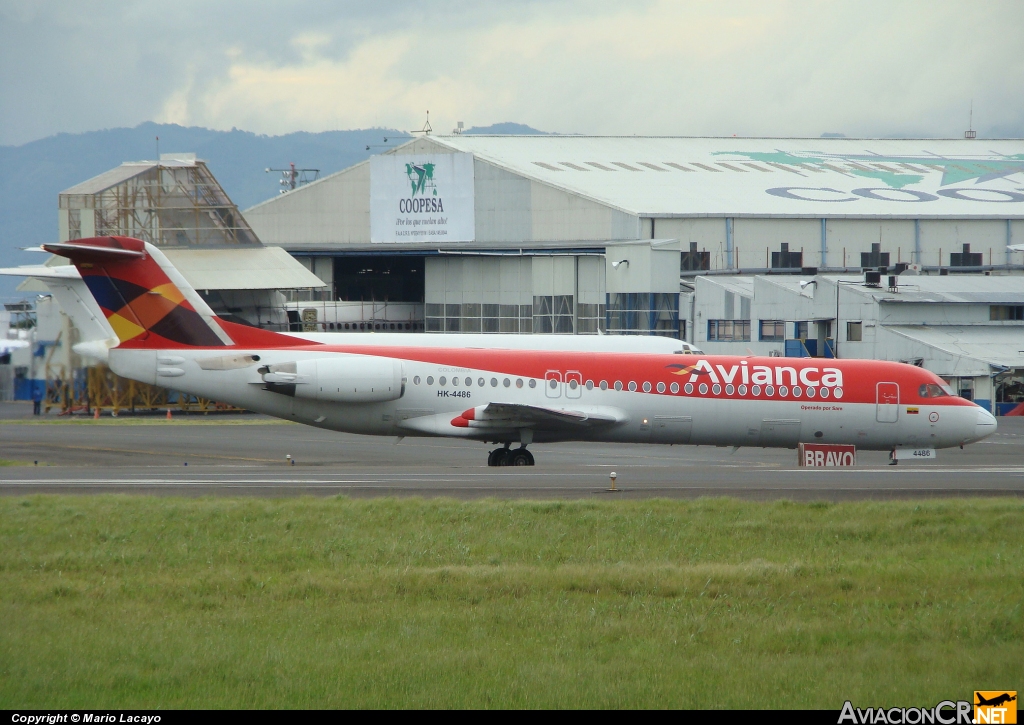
column 341, row 379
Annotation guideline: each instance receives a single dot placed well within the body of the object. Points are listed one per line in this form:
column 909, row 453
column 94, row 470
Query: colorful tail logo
column 132, row 282
column 688, row 369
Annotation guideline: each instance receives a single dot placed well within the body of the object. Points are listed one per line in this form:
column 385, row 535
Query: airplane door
column 573, row 384
column 553, row 383
column 887, row 408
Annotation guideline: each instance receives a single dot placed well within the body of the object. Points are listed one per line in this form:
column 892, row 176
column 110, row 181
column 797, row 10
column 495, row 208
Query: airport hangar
column 736, row 245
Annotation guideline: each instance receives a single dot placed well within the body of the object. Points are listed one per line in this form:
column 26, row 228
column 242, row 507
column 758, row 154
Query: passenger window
column 480, row 382
column 519, row 382
column 494, row 382
column 416, row 380
column 507, row 382
column 533, row 383
column 618, row 385
column 604, row 385
column 442, row 380
column 590, row 385
column 430, row 380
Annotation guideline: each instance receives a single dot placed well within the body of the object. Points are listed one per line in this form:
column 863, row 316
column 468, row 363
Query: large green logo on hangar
column 421, row 176
column 902, row 170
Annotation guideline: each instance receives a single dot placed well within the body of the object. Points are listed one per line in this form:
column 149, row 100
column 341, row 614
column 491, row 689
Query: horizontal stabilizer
column 83, row 253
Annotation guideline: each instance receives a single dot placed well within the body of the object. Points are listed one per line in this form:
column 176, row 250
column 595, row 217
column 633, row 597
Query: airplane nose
column 986, row 425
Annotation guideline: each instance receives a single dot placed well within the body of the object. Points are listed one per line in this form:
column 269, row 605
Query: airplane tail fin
column 149, row 304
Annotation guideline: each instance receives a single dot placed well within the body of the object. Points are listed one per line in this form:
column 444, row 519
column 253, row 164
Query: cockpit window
column 931, row 390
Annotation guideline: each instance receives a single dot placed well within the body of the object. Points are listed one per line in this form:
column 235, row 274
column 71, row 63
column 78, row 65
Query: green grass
column 135, row 602
column 5, row 462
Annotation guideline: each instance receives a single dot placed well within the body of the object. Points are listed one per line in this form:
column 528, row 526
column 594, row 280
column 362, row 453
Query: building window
column 785, row 259
column 643, row 313
column 1006, row 312
column 799, row 330
column 590, row 319
column 694, row 261
column 854, row 331
column 553, row 314
column 772, row 331
column 966, row 258
column 729, row 330
column 875, row 258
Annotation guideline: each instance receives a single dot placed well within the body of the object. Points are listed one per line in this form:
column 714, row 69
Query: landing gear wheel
column 520, row 457
column 497, row 457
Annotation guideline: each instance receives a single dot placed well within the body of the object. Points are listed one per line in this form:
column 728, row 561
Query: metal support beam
column 729, row 263
column 823, row 262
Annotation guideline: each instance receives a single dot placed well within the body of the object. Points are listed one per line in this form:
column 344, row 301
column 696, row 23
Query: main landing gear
column 508, row 457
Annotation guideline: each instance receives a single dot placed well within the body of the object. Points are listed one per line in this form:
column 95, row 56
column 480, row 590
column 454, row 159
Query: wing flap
column 536, row 417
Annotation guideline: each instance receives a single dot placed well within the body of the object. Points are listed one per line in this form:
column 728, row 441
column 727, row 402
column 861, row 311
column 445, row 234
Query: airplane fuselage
column 642, row 398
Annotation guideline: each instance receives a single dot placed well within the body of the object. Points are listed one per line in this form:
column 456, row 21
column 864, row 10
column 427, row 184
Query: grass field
column 135, row 602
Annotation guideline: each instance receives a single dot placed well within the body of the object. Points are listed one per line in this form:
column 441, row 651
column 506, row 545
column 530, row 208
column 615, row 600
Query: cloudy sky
column 670, row 68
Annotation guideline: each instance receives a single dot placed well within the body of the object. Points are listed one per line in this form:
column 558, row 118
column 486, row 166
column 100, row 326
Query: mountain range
column 38, row 171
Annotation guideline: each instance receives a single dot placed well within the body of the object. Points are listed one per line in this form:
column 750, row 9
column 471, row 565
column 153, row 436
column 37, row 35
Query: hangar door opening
column 378, row 278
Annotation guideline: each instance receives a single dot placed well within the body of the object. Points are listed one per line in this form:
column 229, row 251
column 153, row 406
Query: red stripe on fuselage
column 859, row 377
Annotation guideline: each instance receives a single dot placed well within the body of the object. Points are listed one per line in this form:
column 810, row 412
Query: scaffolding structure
column 174, row 202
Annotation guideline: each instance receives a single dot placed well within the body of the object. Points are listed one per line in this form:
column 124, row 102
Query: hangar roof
column 958, row 288
column 766, row 177
column 995, row 345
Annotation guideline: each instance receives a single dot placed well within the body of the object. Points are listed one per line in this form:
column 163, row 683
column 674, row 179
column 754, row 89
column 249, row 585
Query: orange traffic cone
column 96, row 414
column 168, row 414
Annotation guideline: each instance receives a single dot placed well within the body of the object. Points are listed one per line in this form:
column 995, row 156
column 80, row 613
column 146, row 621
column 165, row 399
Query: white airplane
column 169, row 336
column 68, row 288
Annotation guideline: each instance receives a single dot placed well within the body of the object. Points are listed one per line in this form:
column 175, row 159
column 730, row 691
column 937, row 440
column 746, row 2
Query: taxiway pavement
column 246, row 455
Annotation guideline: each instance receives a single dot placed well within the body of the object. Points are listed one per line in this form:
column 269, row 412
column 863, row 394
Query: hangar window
column 1006, row 312
column 875, row 258
column 785, row 259
column 854, row 331
column 590, row 319
column 729, row 330
column 643, row 313
column 553, row 314
column 772, row 331
column 694, row 261
column 966, row 258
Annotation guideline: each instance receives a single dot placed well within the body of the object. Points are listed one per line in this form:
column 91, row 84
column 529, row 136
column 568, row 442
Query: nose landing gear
column 508, row 457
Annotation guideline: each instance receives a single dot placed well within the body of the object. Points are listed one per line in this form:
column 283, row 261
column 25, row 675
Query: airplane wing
column 537, row 417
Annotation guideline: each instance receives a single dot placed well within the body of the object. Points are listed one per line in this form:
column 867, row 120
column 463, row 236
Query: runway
column 246, row 455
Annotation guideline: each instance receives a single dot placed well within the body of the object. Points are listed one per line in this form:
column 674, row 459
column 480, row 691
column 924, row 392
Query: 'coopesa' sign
column 422, row 198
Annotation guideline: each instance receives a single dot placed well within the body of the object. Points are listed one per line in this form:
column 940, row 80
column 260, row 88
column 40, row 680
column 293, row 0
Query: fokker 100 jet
column 506, row 397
